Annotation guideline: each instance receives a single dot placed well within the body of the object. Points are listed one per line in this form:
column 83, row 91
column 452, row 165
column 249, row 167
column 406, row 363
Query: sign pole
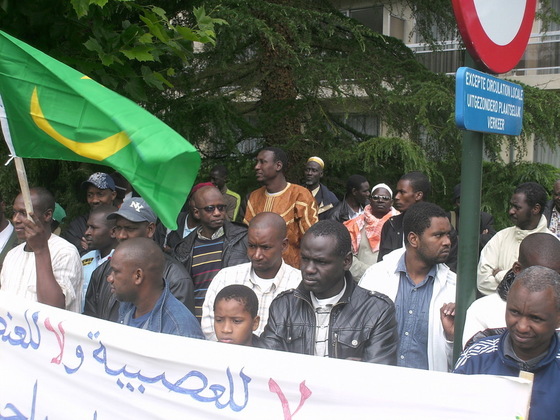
column 484, row 104
column 469, row 227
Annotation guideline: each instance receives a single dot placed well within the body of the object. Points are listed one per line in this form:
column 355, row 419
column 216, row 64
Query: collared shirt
column 287, row 278
column 90, row 262
column 218, row 234
column 315, row 191
column 353, row 214
column 413, row 312
column 19, row 275
column 323, row 309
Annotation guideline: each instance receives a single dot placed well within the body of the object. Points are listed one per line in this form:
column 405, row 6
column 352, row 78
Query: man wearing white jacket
column 422, row 287
column 498, row 255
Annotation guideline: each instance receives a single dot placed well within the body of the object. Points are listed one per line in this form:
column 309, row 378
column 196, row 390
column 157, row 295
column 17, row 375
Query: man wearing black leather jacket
column 329, row 315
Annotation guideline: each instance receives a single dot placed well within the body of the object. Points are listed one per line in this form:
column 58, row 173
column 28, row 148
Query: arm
column 382, row 345
column 179, row 282
column 306, row 211
column 489, row 274
column 447, row 317
column 270, row 337
column 48, row 290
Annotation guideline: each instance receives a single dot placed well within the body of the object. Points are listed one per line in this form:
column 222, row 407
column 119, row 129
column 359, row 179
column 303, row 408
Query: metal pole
column 469, row 227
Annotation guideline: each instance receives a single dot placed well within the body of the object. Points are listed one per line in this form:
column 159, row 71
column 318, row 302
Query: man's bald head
column 144, row 254
column 209, row 209
column 42, row 199
column 207, row 194
column 266, row 241
column 272, row 221
column 540, row 249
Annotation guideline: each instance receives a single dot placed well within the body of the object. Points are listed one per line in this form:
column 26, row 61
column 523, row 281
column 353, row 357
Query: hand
column 84, row 244
column 36, row 236
column 447, row 315
column 484, row 232
column 495, row 271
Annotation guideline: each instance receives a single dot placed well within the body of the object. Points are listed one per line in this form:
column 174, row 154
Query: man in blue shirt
column 422, row 287
column 137, row 281
column 530, row 342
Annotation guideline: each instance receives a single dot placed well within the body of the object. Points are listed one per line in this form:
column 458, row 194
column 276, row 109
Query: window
column 371, row 17
column 543, row 153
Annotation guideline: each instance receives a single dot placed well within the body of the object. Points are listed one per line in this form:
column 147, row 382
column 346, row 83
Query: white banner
column 57, row 364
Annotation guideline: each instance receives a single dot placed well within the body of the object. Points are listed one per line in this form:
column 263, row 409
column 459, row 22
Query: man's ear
column 536, row 209
column 196, row 213
column 138, row 276
column 348, row 258
column 113, row 195
column 413, row 239
column 516, row 268
column 151, row 229
column 418, row 196
column 284, row 245
column 279, row 165
column 47, row 216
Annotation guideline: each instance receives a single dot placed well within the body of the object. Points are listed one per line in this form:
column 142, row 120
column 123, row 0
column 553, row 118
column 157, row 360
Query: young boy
column 235, row 315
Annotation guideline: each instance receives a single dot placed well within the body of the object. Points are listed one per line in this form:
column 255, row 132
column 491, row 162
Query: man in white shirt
column 45, row 268
column 267, row 273
column 526, row 212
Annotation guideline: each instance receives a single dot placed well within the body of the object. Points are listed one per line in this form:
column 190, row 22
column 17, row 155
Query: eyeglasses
column 210, row 209
column 380, row 197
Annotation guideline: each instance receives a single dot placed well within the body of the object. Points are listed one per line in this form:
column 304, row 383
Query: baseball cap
column 135, row 209
column 100, row 180
column 58, row 214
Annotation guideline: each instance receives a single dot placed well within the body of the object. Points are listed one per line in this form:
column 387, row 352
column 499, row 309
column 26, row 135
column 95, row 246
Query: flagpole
column 24, row 185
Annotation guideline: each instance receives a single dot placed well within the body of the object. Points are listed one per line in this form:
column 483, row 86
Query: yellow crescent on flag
column 98, row 150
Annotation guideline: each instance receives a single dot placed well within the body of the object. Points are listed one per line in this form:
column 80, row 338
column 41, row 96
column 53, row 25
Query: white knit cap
column 382, row 186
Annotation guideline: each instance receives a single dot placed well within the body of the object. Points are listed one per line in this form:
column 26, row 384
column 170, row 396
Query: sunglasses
column 210, row 209
column 381, row 197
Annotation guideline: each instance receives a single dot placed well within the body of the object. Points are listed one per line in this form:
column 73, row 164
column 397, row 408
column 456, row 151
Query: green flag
column 49, row 110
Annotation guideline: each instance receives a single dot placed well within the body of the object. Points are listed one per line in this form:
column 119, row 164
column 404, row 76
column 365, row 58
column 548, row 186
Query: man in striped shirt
column 215, row 244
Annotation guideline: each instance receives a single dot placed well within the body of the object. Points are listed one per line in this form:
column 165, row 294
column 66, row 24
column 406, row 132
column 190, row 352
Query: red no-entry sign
column 495, row 32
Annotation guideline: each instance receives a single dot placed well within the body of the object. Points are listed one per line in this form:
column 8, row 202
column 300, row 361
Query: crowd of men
column 370, row 277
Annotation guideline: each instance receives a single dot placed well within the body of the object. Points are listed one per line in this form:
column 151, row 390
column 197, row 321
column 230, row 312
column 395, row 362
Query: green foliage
column 129, row 46
column 286, row 73
column 499, row 181
column 111, row 40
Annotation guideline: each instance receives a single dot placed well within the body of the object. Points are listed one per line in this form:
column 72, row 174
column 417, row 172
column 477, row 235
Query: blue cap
column 100, row 180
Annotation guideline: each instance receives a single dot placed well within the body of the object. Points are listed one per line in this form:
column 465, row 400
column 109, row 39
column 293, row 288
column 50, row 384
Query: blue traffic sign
column 487, row 104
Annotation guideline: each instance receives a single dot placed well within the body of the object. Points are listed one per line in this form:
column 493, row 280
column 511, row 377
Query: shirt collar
column 401, row 267
column 275, row 281
column 219, row 233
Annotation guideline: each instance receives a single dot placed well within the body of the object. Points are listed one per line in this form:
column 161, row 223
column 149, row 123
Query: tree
column 129, row 46
column 280, row 72
column 288, row 72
